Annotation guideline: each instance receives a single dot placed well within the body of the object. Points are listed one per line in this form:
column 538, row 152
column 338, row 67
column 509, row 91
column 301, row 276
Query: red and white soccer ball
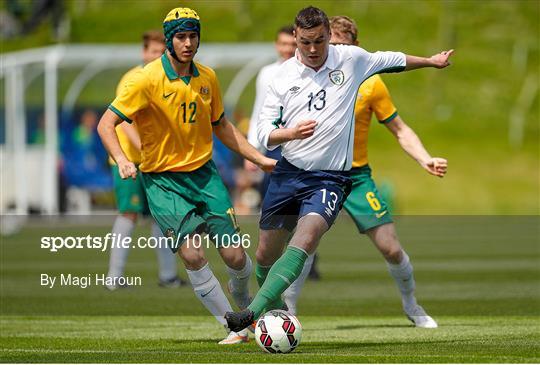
column 278, row 332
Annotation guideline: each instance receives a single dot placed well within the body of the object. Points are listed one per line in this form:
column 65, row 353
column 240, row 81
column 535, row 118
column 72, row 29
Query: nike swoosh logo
column 208, row 292
column 284, row 279
column 166, row 96
column 379, row 215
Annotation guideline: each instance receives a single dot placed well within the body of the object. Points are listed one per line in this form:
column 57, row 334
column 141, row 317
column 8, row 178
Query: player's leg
column 123, row 227
column 284, row 271
column 269, row 250
column 205, row 284
column 385, row 239
column 168, row 268
column 314, row 273
column 128, row 194
column 225, row 232
column 371, row 216
column 326, row 201
column 292, row 293
column 239, row 268
column 172, row 202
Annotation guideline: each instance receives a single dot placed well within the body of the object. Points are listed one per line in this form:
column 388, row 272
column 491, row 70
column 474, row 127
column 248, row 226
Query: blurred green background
column 462, row 113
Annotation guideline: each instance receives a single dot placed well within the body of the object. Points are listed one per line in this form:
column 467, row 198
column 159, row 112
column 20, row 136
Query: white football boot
column 234, row 338
column 418, row 316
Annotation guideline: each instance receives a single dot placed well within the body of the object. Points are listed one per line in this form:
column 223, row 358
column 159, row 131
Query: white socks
column 166, row 258
column 117, row 261
column 209, row 292
column 291, row 294
column 240, row 278
column 404, row 278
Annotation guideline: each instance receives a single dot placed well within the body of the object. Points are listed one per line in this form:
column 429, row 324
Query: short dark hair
column 152, row 36
column 286, row 29
column 311, row 17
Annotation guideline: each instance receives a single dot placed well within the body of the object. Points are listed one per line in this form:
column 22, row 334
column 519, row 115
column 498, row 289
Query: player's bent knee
column 132, row 216
column 265, row 258
column 193, row 259
column 235, row 258
column 393, row 254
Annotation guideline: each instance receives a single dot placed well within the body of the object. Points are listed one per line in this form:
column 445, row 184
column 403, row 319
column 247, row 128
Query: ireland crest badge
column 337, row 77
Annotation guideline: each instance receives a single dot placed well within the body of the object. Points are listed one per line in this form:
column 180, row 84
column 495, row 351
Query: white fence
column 29, row 173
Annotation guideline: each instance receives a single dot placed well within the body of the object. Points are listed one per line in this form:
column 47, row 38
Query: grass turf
column 325, row 339
column 478, row 276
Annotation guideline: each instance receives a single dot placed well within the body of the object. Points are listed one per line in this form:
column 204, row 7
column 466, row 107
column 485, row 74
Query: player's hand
column 267, row 164
column 436, row 166
column 304, row 129
column 127, row 169
column 440, row 60
column 250, row 166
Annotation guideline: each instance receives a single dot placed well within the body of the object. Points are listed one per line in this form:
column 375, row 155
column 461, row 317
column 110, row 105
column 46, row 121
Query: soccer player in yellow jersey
column 129, row 193
column 364, row 204
column 178, row 107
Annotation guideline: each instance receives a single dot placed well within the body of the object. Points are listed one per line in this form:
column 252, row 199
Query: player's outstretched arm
column 302, row 130
column 107, row 133
column 411, row 144
column 232, row 138
column 440, row 60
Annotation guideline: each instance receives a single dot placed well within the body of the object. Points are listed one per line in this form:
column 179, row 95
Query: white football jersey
column 328, row 96
column 264, row 78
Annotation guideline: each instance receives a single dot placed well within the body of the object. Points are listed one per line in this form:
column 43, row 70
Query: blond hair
column 345, row 25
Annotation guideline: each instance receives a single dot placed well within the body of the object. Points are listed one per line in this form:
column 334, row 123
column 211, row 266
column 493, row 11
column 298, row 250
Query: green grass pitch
column 479, row 277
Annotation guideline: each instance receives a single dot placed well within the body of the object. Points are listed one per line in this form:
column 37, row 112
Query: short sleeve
column 216, row 104
column 381, row 102
column 369, row 64
column 133, row 97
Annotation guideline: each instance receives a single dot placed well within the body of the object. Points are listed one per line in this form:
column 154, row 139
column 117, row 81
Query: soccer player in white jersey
column 309, row 110
column 365, row 205
column 285, row 47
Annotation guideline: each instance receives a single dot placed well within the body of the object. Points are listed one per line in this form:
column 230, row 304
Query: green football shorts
column 364, row 204
column 189, row 203
column 129, row 194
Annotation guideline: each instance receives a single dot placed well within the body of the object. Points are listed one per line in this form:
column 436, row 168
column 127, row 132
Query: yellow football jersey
column 132, row 153
column 373, row 97
column 174, row 114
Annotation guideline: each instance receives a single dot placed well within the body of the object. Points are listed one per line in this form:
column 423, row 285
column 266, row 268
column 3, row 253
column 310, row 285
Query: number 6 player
column 309, row 111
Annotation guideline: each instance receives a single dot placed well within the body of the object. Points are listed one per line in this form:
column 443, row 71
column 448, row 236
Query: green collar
column 171, row 73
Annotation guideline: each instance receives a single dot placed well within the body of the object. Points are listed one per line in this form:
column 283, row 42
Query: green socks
column 261, row 272
column 278, row 278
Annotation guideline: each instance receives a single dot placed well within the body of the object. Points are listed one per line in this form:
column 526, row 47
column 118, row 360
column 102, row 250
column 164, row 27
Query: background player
column 308, row 110
column 178, row 106
column 364, row 203
column 130, row 197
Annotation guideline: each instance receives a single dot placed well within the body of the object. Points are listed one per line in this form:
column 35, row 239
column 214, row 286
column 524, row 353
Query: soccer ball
column 278, row 332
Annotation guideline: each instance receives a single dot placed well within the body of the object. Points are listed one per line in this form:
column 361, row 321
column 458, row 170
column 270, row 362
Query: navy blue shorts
column 293, row 193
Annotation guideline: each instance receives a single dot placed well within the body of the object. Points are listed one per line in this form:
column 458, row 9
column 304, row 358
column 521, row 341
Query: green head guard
column 180, row 20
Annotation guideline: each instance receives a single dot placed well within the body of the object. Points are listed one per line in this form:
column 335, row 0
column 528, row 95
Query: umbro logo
column 165, row 96
column 294, row 89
